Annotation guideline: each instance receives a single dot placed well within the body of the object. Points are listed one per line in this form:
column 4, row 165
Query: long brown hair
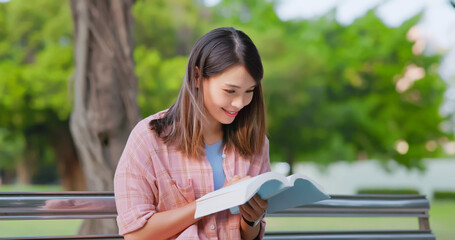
column 212, row 54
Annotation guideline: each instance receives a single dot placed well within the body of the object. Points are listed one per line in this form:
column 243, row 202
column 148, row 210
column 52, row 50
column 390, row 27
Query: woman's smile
column 231, row 113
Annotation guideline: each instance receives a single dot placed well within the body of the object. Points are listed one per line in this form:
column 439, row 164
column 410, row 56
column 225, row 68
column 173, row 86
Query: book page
column 296, row 176
column 235, row 187
column 268, row 189
column 303, row 192
column 278, row 189
column 232, row 196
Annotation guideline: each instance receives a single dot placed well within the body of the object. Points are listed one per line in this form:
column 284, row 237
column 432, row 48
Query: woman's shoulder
column 154, row 116
column 143, row 126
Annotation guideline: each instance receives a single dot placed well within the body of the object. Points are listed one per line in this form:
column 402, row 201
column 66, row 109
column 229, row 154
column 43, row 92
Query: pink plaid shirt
column 152, row 177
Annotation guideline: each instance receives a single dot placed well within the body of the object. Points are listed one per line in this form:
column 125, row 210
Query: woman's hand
column 251, row 212
column 253, row 209
column 235, row 179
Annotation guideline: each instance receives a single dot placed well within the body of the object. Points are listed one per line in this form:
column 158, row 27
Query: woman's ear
column 197, row 76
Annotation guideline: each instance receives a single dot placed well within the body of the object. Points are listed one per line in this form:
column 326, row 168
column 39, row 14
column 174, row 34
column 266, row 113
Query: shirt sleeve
column 134, row 182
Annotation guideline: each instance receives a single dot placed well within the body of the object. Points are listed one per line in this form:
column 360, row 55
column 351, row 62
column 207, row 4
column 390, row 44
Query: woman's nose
column 238, row 102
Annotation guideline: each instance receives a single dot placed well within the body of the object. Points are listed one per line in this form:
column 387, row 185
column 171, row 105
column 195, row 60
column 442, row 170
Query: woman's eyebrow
column 235, row 86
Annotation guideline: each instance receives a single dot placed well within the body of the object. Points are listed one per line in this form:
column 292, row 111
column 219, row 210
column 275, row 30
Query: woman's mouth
column 230, row 113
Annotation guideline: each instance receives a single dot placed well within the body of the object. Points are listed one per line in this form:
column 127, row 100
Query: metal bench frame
column 97, row 205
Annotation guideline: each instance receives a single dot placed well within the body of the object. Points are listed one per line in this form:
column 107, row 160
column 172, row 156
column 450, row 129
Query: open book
column 280, row 191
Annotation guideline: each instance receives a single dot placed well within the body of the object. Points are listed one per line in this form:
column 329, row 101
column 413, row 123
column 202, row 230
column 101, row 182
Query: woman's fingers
column 258, row 203
column 254, row 208
column 247, row 212
column 235, row 179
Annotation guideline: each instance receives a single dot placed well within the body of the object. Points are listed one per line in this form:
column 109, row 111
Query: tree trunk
column 105, row 89
column 290, row 160
column 68, row 163
column 26, row 167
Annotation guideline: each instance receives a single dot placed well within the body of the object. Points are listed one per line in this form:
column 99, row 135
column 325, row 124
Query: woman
column 212, row 136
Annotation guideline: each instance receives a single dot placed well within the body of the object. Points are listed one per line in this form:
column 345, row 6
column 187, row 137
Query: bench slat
column 71, row 205
column 275, row 235
column 56, row 205
column 350, row 235
column 90, row 205
column 72, row 237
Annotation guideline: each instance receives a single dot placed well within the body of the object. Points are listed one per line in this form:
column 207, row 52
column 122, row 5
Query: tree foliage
column 347, row 105
column 35, row 64
column 165, row 32
column 331, row 90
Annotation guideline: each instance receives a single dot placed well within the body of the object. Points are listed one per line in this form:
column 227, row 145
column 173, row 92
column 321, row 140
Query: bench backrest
column 56, row 205
column 89, row 205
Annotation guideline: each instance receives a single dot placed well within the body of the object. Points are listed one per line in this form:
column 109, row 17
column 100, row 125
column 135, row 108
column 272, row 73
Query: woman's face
column 227, row 93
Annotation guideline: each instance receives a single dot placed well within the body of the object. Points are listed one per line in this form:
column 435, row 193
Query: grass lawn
column 20, row 228
column 5, row 188
column 442, row 220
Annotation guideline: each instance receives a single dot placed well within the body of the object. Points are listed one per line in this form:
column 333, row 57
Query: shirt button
column 212, row 227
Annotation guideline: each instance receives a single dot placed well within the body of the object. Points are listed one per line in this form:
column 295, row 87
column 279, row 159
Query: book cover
column 280, row 191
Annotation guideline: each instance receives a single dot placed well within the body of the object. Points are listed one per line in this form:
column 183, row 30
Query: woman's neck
column 212, row 131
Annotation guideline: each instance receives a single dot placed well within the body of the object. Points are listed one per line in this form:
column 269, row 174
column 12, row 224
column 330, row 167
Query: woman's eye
column 250, row 91
column 229, row 91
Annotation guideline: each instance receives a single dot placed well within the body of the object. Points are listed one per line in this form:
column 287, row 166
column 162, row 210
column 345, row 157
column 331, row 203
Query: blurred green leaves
column 330, row 90
column 159, row 79
column 36, row 60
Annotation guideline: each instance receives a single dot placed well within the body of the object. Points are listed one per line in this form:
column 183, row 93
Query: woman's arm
column 252, row 211
column 163, row 225
column 247, row 232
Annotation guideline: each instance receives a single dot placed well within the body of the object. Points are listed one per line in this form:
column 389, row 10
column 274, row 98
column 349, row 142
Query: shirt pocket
column 175, row 195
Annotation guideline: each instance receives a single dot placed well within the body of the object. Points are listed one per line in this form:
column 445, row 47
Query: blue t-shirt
column 214, row 154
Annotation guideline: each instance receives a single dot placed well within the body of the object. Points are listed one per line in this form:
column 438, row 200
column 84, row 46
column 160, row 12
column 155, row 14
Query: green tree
column 165, row 31
column 350, row 107
column 334, row 93
column 105, row 89
column 331, row 90
column 35, row 63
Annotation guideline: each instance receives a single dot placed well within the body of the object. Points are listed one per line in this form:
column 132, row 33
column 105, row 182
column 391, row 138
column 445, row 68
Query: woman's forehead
column 236, row 77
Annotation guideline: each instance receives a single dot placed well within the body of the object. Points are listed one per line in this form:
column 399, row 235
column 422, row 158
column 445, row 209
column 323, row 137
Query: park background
column 352, row 96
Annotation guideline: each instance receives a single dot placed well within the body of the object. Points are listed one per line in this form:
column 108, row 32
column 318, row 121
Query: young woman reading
column 212, row 136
